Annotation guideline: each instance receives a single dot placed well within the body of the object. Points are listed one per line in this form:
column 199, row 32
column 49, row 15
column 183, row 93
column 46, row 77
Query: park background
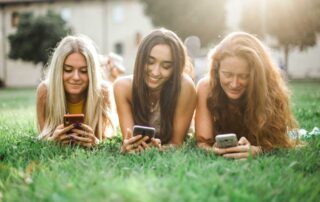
column 286, row 26
column 34, row 170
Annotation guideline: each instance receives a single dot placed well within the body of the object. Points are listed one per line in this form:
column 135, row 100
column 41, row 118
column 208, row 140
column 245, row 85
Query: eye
column 84, row 70
column 227, row 74
column 167, row 65
column 150, row 61
column 244, row 76
column 67, row 69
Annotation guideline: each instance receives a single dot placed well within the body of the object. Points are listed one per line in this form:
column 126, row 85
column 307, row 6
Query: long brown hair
column 263, row 113
column 170, row 90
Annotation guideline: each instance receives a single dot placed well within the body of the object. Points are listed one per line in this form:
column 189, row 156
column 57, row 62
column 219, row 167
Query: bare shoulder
column 203, row 86
column 187, row 83
column 42, row 90
column 123, row 84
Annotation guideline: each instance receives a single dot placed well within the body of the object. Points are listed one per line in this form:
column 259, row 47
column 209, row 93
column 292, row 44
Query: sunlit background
column 289, row 27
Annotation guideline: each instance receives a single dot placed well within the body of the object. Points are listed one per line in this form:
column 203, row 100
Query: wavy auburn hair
column 170, row 90
column 263, row 114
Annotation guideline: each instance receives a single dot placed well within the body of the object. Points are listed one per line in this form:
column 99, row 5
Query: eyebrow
column 66, row 65
column 166, row 61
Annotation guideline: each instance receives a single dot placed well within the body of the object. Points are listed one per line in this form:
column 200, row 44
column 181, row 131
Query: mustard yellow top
column 75, row 108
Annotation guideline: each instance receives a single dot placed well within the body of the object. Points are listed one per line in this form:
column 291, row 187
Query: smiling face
column 234, row 76
column 159, row 66
column 75, row 76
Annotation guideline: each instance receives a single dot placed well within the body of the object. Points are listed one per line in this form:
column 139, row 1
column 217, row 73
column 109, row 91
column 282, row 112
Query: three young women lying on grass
column 244, row 94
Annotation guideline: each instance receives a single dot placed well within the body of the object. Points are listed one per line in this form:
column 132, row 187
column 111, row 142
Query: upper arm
column 122, row 89
column 184, row 111
column 109, row 110
column 203, row 120
column 41, row 105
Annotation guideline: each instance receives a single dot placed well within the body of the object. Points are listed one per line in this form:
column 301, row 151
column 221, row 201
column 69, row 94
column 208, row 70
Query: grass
column 33, row 170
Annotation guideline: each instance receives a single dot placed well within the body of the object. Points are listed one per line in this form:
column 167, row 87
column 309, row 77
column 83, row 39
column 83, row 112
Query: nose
column 155, row 71
column 76, row 75
column 235, row 82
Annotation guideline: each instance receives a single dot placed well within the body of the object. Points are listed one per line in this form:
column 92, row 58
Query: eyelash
column 70, row 70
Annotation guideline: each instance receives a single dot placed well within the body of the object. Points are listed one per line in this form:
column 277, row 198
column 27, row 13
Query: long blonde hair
column 265, row 107
column 97, row 112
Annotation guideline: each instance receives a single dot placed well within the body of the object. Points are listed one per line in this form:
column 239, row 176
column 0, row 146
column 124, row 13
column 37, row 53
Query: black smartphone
column 144, row 131
column 226, row 140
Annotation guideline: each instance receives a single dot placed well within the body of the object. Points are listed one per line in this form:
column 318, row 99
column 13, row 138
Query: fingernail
column 76, row 124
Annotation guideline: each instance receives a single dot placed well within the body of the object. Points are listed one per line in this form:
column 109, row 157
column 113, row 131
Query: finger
column 237, row 149
column 156, row 142
column 140, row 148
column 145, row 145
column 82, row 139
column 65, row 137
column 218, row 150
column 86, row 128
column 86, row 145
column 66, row 129
column 243, row 141
column 83, row 133
column 241, row 155
column 133, row 139
column 128, row 148
column 61, row 126
column 129, row 133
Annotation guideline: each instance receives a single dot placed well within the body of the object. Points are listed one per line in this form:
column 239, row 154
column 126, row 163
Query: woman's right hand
column 137, row 143
column 60, row 134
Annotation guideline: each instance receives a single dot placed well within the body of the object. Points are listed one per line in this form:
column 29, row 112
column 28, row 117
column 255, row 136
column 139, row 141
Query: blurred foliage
column 202, row 18
column 294, row 23
column 36, row 36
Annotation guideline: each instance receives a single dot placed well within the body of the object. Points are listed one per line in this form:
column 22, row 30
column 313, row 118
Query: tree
column 36, row 36
column 202, row 18
column 294, row 23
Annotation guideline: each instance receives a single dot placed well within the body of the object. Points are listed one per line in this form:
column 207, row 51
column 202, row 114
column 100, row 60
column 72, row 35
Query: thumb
column 243, row 141
column 129, row 133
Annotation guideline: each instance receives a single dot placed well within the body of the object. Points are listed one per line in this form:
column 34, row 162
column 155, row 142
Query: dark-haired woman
column 159, row 94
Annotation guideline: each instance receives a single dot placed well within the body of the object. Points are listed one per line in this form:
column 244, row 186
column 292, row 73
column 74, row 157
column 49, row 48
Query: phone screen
column 144, row 131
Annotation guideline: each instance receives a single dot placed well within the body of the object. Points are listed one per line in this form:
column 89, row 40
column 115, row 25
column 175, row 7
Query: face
column 234, row 76
column 75, row 75
column 159, row 66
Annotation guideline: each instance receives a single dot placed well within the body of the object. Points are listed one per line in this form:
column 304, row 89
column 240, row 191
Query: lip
column 153, row 80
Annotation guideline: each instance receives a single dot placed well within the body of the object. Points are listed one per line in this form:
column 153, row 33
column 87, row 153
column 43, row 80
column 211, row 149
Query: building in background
column 115, row 25
column 118, row 26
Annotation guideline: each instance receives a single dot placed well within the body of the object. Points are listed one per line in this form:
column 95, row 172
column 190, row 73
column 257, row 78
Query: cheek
column 167, row 73
column 65, row 76
column 85, row 78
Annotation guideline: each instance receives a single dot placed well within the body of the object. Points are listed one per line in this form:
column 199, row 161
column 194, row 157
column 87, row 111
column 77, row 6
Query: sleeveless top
column 75, row 108
column 155, row 118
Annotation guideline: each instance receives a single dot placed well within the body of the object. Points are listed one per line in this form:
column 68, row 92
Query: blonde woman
column 74, row 85
column 244, row 94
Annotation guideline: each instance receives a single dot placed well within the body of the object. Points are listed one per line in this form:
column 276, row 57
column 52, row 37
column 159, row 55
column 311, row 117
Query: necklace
column 153, row 106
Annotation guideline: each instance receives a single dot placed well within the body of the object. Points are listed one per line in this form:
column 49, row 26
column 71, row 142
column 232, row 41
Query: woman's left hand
column 84, row 137
column 242, row 151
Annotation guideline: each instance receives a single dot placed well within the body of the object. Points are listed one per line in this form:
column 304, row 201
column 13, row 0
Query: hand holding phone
column 75, row 119
column 144, row 131
column 226, row 140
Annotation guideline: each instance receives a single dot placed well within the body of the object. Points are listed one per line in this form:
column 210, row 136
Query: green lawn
column 32, row 170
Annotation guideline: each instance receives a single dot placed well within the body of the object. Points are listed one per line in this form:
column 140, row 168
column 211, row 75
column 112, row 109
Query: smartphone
column 226, row 140
column 144, row 131
column 76, row 119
